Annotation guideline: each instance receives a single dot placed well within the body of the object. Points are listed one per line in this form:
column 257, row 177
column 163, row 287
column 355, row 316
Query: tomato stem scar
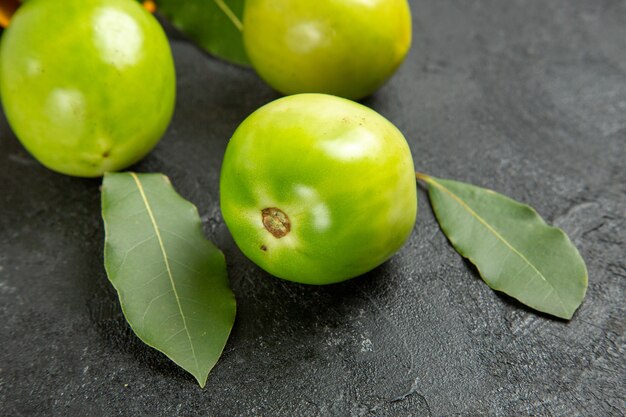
column 276, row 221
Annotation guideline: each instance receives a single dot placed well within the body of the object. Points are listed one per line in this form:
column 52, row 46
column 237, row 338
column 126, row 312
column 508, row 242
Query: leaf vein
column 174, row 335
column 132, row 248
column 145, row 284
column 145, row 312
column 167, row 265
column 184, row 265
column 230, row 14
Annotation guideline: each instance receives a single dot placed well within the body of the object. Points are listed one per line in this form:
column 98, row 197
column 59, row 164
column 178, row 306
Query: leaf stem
column 423, row 177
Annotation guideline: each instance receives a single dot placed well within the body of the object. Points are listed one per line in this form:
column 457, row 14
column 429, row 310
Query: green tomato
column 318, row 189
column 344, row 47
column 88, row 86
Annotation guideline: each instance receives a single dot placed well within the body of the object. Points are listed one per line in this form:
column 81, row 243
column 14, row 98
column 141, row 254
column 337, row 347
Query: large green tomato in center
column 347, row 48
column 88, row 86
column 318, row 189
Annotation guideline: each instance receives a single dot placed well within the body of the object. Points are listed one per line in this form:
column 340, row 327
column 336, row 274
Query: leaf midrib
column 230, row 14
column 496, row 234
column 167, row 264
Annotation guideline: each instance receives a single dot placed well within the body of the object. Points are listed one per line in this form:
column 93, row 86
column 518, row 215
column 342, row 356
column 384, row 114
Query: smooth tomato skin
column 88, row 86
column 348, row 48
column 342, row 174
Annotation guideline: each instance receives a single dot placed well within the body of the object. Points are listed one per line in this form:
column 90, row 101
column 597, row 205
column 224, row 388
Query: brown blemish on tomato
column 276, row 222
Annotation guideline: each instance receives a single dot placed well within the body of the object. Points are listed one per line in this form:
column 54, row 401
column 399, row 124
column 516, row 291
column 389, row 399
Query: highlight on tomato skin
column 318, row 189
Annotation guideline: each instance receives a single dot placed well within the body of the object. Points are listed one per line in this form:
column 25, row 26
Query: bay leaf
column 215, row 25
column 512, row 247
column 171, row 281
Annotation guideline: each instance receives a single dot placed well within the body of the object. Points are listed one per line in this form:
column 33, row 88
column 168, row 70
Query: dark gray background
column 525, row 97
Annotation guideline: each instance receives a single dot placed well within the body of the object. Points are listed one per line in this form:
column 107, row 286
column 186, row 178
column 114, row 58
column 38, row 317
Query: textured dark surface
column 525, row 97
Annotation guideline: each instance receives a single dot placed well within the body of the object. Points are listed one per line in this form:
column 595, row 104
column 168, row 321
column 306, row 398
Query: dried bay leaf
column 515, row 251
column 171, row 281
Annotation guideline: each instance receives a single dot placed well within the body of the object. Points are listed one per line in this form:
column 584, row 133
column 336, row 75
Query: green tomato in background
column 318, row 189
column 347, row 48
column 88, row 86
